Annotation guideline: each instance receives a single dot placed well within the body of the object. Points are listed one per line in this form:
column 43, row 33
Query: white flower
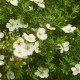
column 21, row 24
column 12, row 25
column 76, row 69
column 13, row 2
column 1, row 35
column 0, row 75
column 42, row 72
column 64, row 47
column 12, row 58
column 19, row 43
column 36, row 47
column 1, row 63
column 41, row 34
column 19, row 52
column 30, row 37
column 29, row 48
column 30, row 8
column 1, row 60
column 10, row 75
column 49, row 27
column 68, row 28
column 39, row 3
column 25, row 25
column 1, row 57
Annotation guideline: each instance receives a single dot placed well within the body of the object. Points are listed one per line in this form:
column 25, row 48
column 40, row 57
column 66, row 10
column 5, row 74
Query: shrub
column 39, row 40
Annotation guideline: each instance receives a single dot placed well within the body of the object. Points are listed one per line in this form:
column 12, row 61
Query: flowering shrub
column 39, row 39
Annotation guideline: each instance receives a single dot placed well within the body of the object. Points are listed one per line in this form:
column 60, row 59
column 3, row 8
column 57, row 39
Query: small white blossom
column 36, row 47
column 1, row 63
column 76, row 69
column 12, row 58
column 64, row 47
column 32, row 29
column 29, row 48
column 30, row 8
column 30, row 37
column 12, row 25
column 49, row 27
column 19, row 43
column 19, row 52
column 41, row 34
column 42, row 72
column 21, row 24
column 68, row 28
column 1, row 57
column 2, row 60
column 13, row 2
column 10, row 75
column 25, row 25
column 40, row 3
column 1, row 35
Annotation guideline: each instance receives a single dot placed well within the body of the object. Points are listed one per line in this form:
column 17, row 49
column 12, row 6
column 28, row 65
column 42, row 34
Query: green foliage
column 58, row 13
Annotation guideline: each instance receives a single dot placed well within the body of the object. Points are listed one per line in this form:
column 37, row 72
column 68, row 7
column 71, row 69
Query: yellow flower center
column 21, row 22
column 19, row 52
column 39, row 33
column 62, row 47
column 77, row 69
column 19, row 43
column 12, row 24
column 69, row 30
column 50, row 27
column 41, row 72
column 27, row 48
column 29, row 38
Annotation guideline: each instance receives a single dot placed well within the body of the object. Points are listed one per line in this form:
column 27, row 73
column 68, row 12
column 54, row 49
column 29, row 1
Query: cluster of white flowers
column 15, row 24
column 40, row 34
column 2, row 60
column 76, row 69
column 10, row 75
column 19, row 48
column 65, row 46
column 27, row 44
column 24, row 50
column 13, row 2
column 42, row 72
column 40, row 3
column 32, row 38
